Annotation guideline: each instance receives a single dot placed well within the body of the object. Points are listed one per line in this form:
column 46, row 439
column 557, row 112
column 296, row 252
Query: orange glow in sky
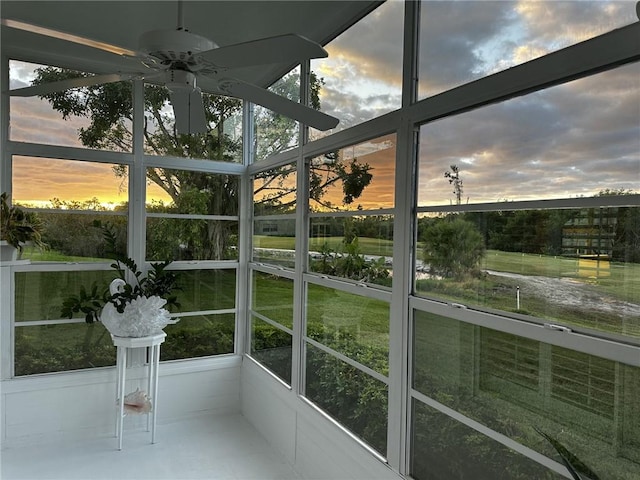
column 36, row 181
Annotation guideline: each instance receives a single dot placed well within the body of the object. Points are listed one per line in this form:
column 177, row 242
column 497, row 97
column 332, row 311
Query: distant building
column 591, row 233
column 278, row 228
column 590, row 236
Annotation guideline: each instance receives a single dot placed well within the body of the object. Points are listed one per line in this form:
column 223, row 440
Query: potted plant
column 127, row 309
column 17, row 227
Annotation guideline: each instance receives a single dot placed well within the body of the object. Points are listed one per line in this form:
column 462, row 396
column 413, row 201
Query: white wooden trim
column 59, row 152
column 559, row 203
column 273, row 323
column 192, row 216
column 350, row 286
column 192, row 164
column 273, row 270
column 353, row 213
column 276, row 160
column 100, row 375
column 276, row 217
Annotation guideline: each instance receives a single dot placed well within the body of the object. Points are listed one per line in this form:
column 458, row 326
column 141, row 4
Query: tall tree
column 453, row 247
column 109, row 110
column 453, row 176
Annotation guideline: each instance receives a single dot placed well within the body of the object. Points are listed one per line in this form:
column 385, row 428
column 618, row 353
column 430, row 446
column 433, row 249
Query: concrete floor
column 213, row 448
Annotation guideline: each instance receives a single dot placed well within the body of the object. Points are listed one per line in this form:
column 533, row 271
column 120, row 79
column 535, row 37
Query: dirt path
column 570, row 292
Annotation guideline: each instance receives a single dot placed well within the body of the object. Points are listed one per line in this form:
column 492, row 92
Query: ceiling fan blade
column 188, row 111
column 287, row 48
column 277, row 103
column 69, row 37
column 46, row 88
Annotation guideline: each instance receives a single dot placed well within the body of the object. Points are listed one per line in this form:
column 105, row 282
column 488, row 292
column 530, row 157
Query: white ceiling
column 121, row 23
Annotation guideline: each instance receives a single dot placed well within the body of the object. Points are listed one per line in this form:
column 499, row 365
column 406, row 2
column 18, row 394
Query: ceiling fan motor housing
column 180, row 80
column 171, row 46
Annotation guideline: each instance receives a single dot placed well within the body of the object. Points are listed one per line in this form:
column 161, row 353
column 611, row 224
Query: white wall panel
column 268, row 406
column 316, row 447
column 82, row 404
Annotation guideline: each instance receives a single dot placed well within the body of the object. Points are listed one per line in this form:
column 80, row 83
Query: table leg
column 150, row 357
column 122, row 368
column 154, row 409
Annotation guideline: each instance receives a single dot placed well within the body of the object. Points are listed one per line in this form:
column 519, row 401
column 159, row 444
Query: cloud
column 574, row 139
column 374, row 46
column 363, row 73
column 21, row 74
column 353, row 110
column 34, row 120
column 465, row 40
column 450, row 34
column 562, row 23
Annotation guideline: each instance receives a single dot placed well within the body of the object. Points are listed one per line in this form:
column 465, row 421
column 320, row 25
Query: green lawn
column 36, row 255
column 368, row 246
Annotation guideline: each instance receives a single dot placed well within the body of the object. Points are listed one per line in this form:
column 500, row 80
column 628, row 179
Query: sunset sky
column 566, row 141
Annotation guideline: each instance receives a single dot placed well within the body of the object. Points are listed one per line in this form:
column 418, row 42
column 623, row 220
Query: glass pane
column 68, row 184
column 359, row 248
column 355, row 326
column 362, row 77
column 272, row 296
column 193, row 193
column 515, row 385
column 276, row 133
column 206, row 289
column 79, row 237
column 40, row 120
column 274, row 191
column 462, row 41
column 195, row 239
column 574, row 140
column 577, row 267
column 353, row 398
column 222, row 140
column 39, row 295
column 199, row 336
column 272, row 348
column 56, row 348
column 355, row 178
column 443, row 448
column 274, row 241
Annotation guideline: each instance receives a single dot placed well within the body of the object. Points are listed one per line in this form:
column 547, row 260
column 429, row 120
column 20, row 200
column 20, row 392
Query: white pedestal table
column 124, row 346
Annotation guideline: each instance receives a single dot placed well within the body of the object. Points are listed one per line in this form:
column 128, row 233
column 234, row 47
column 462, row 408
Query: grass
column 527, row 264
column 273, row 298
column 364, row 318
column 36, row 255
column 368, row 246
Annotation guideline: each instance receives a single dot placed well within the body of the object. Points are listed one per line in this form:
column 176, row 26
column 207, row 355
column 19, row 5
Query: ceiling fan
column 189, row 64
